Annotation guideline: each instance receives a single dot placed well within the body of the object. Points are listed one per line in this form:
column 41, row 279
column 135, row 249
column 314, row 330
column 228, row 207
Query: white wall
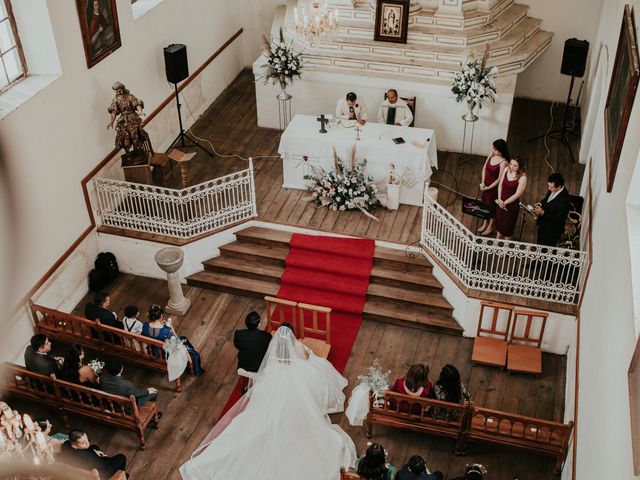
column 566, row 19
column 55, row 138
column 608, row 333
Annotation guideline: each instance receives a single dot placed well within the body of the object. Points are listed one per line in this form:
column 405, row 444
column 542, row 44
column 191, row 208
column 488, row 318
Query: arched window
column 13, row 66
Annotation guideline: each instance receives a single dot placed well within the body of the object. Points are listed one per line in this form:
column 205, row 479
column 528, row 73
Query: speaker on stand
column 574, row 62
column 177, row 70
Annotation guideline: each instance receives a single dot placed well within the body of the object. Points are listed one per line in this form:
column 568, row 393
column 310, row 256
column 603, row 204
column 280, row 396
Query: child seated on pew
column 130, row 320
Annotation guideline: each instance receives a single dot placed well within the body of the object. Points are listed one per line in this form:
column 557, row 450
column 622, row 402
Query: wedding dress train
column 280, row 430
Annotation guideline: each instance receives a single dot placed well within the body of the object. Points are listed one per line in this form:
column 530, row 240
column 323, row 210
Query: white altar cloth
column 303, row 146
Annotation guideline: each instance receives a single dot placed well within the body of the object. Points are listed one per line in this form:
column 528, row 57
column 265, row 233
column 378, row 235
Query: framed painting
column 99, row 27
column 392, row 21
column 622, row 91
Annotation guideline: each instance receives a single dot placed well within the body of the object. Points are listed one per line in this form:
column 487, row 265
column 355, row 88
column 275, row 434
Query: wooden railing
column 133, row 348
column 466, row 423
column 66, row 397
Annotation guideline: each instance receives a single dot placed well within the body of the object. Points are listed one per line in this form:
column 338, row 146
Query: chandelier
column 21, row 438
column 314, row 21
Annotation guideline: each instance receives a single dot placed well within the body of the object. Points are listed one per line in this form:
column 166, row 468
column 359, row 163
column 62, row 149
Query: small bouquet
column 177, row 358
column 474, row 84
column 345, row 188
column 96, row 365
column 173, row 344
column 283, row 62
column 377, row 381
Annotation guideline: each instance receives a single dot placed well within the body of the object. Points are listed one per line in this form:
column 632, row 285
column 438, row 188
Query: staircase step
column 233, row 284
column 429, row 301
column 402, row 315
column 402, row 277
column 262, row 253
column 243, row 268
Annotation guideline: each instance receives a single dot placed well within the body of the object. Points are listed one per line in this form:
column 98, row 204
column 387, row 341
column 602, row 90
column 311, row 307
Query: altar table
column 304, row 150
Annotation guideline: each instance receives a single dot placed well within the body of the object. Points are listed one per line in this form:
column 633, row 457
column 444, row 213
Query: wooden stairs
column 403, row 290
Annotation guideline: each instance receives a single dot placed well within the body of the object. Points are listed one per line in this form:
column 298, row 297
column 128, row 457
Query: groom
column 251, row 343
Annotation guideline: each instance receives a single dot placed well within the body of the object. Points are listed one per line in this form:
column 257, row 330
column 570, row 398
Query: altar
column 304, row 150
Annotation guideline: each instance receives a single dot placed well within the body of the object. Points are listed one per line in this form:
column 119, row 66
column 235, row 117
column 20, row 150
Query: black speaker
column 175, row 62
column 574, row 57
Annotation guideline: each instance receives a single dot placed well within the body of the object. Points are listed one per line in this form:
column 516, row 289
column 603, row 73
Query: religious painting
column 622, row 91
column 392, row 21
column 99, row 27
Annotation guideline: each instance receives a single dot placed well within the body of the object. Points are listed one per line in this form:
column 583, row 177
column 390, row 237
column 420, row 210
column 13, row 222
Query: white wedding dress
column 280, row 430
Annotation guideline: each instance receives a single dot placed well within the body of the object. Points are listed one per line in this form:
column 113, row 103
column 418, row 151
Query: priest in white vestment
column 394, row 111
column 350, row 108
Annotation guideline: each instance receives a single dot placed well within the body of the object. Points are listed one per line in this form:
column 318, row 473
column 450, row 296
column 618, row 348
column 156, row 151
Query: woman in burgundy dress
column 416, row 383
column 492, row 170
column 511, row 187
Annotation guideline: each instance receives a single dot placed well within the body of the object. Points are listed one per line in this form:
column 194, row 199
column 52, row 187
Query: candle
column 305, row 21
column 42, row 442
column 28, row 423
column 316, row 22
column 295, row 15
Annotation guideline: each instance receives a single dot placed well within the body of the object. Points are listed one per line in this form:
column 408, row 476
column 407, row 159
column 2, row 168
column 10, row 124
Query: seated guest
column 511, row 187
column 74, row 371
column 449, row 388
column 473, row 472
column 79, row 452
column 416, row 469
column 552, row 211
column 492, row 170
column 160, row 328
column 37, row 356
column 252, row 343
column 112, row 382
column 130, row 320
column 350, row 108
column 102, row 300
column 394, row 110
column 415, row 383
column 373, row 465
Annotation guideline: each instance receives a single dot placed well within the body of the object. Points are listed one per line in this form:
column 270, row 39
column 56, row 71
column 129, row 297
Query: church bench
column 466, row 423
column 69, row 398
column 531, row 434
column 130, row 347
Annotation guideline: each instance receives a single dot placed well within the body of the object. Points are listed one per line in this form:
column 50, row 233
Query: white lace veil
column 284, row 349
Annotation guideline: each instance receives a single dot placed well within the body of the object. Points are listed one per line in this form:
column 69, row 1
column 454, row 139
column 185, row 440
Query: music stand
column 476, row 208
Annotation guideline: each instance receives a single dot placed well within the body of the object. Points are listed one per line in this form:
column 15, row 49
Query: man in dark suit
column 111, row 381
column 98, row 311
column 416, row 469
column 37, row 356
column 552, row 211
column 251, row 343
column 79, row 452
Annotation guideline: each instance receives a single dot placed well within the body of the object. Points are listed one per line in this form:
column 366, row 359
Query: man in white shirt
column 394, row 110
column 350, row 108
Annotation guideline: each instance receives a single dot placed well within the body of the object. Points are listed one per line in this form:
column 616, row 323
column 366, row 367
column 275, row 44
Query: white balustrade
column 182, row 213
column 504, row 266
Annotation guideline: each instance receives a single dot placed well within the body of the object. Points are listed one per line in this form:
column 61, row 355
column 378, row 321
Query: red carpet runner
column 331, row 272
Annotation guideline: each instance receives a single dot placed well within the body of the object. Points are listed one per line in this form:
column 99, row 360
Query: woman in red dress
column 416, row 383
column 511, row 187
column 494, row 166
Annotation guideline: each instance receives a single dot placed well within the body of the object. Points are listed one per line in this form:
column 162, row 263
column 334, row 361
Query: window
column 12, row 64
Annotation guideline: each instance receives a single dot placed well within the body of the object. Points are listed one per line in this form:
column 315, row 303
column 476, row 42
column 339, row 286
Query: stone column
column 170, row 260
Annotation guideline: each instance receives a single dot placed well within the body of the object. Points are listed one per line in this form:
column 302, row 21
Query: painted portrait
column 99, row 27
column 392, row 20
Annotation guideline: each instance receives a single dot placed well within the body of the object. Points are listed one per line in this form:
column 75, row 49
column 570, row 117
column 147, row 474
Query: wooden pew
column 132, row 348
column 467, row 423
column 532, row 434
column 450, row 421
column 66, row 398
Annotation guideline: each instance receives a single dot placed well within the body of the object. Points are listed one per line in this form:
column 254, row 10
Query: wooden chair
column 286, row 313
column 411, row 103
column 490, row 344
column 320, row 346
column 524, row 353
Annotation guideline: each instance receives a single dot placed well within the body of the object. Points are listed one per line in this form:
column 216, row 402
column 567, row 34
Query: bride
column 280, row 430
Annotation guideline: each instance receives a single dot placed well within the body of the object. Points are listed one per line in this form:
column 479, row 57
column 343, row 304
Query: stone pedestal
column 170, row 260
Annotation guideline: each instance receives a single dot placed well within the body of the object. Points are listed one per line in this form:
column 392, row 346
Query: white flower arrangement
column 96, row 366
column 376, row 380
column 474, row 84
column 283, row 62
column 173, row 344
column 345, row 188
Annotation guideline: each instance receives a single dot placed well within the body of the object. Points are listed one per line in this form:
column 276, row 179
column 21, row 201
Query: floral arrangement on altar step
column 474, row 84
column 283, row 62
column 347, row 187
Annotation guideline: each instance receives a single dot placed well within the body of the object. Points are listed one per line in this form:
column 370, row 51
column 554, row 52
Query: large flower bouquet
column 283, row 62
column 377, row 380
column 474, row 84
column 345, row 188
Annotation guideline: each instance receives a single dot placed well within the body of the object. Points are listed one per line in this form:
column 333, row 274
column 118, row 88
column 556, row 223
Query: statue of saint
column 127, row 109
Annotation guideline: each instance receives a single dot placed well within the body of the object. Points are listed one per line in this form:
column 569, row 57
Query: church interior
column 324, row 164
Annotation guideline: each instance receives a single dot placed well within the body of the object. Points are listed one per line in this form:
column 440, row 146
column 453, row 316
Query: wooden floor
column 230, row 125
column 210, row 323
